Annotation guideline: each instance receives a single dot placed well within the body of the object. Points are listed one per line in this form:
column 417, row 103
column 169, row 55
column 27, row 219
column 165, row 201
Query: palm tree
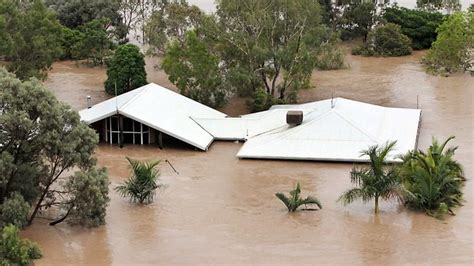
column 294, row 200
column 141, row 186
column 377, row 180
column 433, row 180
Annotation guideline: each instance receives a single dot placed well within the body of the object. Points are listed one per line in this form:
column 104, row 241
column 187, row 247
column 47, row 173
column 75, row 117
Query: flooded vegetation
column 220, row 209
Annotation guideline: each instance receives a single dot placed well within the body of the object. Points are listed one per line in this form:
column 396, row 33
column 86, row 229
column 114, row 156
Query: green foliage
column 433, row 179
column 357, row 19
column 419, row 25
column 16, row 251
column 385, row 40
column 29, row 39
column 76, row 13
column 294, row 200
column 14, row 211
column 93, row 42
column 141, row 186
column 262, row 101
column 376, row 180
column 170, row 23
column 332, row 56
column 89, row 197
column 195, row 71
column 452, row 50
column 125, row 70
column 269, row 45
column 41, row 139
column 435, row 5
column 69, row 39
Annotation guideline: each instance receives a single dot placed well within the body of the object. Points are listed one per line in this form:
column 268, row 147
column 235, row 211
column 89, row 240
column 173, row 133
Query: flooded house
column 329, row 130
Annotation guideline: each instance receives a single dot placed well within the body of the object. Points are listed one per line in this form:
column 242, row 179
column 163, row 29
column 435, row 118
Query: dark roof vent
column 294, row 118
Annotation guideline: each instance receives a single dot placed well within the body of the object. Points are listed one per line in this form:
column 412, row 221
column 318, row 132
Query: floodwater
column 221, row 210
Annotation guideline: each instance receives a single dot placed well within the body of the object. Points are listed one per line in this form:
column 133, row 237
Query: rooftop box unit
column 294, row 118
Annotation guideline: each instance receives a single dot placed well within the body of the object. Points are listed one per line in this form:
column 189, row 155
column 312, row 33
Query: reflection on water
column 222, row 210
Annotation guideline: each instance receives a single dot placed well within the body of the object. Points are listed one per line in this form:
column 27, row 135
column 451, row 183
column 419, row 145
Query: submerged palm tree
column 141, row 186
column 433, row 180
column 294, row 200
column 375, row 181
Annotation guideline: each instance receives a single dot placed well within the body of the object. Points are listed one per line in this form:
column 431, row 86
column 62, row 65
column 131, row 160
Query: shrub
column 385, row 40
column 294, row 200
column 433, row 179
column 14, row 211
column 332, row 56
column 419, row 25
column 263, row 101
column 141, row 186
column 89, row 194
column 16, row 251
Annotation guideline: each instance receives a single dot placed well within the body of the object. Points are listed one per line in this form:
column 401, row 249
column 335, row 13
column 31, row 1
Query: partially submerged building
column 147, row 114
column 329, row 130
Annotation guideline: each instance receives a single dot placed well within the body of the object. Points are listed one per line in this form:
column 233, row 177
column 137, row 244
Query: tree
column 141, row 186
column 195, row 71
column 76, row 13
column 93, row 42
column 294, row 200
column 171, row 22
column 435, row 5
column 14, row 211
column 125, row 70
column 452, row 50
column 419, row 25
column 357, row 19
column 16, row 251
column 69, row 43
column 269, row 45
column 41, row 139
column 433, row 179
column 375, row 181
column 29, row 39
column 385, row 40
column 88, row 197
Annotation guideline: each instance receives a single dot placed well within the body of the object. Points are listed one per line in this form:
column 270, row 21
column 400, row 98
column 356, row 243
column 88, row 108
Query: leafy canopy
column 433, row 179
column 29, row 38
column 141, row 186
column 453, row 49
column 385, row 40
column 41, row 139
column 419, row 25
column 125, row 70
column 195, row 71
column 294, row 200
column 14, row 250
column 376, row 180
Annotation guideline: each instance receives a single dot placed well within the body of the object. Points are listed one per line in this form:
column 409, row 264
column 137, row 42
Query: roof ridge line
column 134, row 97
column 357, row 127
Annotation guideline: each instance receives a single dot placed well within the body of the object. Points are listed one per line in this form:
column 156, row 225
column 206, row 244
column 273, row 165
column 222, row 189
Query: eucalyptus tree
column 41, row 141
column 170, row 23
column 294, row 200
column 375, row 181
column 269, row 45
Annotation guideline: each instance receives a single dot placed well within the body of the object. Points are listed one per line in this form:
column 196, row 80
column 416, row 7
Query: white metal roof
column 161, row 109
column 337, row 133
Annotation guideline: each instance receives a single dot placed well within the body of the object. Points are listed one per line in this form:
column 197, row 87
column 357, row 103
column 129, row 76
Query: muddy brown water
column 220, row 209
